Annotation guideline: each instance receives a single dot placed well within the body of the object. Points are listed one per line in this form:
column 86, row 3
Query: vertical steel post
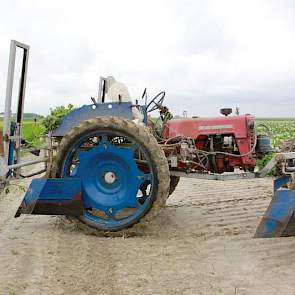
column 21, row 98
column 3, row 164
column 101, row 90
column 8, row 98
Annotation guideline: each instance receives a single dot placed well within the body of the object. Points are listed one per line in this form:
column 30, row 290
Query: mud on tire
column 146, row 140
column 174, row 180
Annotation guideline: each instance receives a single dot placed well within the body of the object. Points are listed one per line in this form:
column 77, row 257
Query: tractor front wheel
column 124, row 174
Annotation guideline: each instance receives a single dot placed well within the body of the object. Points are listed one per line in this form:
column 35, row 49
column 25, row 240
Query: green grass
column 32, row 131
column 276, row 119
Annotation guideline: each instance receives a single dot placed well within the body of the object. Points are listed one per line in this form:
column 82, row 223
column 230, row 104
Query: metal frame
column 11, row 142
column 3, row 165
column 1, row 145
column 28, row 163
column 279, row 157
column 102, row 89
column 213, row 176
column 272, row 163
column 21, row 98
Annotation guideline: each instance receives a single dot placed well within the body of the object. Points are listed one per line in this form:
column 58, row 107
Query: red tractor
column 218, row 144
column 210, row 145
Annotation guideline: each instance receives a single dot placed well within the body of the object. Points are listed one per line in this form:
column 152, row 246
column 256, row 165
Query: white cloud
column 205, row 54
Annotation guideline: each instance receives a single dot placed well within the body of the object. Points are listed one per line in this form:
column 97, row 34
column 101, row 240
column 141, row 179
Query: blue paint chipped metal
column 53, row 196
column 123, row 109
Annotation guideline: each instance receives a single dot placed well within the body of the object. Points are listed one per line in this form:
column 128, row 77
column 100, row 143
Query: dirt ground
column 201, row 244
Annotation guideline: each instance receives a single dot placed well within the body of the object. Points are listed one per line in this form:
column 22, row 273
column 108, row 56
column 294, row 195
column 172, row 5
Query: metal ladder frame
column 12, row 138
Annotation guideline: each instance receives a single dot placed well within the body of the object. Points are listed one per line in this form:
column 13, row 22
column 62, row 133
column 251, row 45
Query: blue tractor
column 107, row 172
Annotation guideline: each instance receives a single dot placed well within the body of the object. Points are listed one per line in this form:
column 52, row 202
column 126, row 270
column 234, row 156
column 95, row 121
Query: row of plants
column 279, row 130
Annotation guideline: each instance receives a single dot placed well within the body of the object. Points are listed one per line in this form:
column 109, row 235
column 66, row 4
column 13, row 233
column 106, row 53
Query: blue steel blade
column 53, row 197
column 52, row 189
column 34, row 191
column 278, row 215
column 279, row 182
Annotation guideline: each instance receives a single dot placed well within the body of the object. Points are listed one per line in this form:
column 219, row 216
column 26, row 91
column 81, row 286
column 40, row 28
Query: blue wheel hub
column 111, row 183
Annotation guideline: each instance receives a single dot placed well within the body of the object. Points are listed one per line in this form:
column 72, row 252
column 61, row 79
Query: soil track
column 200, row 244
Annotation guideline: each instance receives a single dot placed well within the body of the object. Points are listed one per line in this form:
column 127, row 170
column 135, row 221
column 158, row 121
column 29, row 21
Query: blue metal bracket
column 279, row 212
column 53, row 197
column 279, row 182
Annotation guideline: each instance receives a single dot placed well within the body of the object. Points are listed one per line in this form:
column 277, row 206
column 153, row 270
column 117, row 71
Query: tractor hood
column 193, row 127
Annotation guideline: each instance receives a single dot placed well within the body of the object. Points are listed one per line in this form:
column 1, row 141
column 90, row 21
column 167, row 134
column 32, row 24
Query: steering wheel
column 156, row 102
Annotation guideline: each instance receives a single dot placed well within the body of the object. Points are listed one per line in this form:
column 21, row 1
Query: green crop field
column 32, row 131
column 279, row 129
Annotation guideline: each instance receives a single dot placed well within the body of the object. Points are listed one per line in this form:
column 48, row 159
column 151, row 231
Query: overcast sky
column 204, row 54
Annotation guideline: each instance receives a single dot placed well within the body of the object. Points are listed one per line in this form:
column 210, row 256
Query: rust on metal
column 279, row 225
column 1, row 144
column 72, row 207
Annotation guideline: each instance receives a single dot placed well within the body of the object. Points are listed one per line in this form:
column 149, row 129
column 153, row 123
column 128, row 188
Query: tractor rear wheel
column 124, row 174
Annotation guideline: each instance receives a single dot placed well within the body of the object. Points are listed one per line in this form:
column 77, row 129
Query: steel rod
column 8, row 98
column 223, row 177
column 28, row 163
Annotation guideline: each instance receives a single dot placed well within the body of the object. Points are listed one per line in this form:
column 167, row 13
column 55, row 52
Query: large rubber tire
column 145, row 139
column 174, row 180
